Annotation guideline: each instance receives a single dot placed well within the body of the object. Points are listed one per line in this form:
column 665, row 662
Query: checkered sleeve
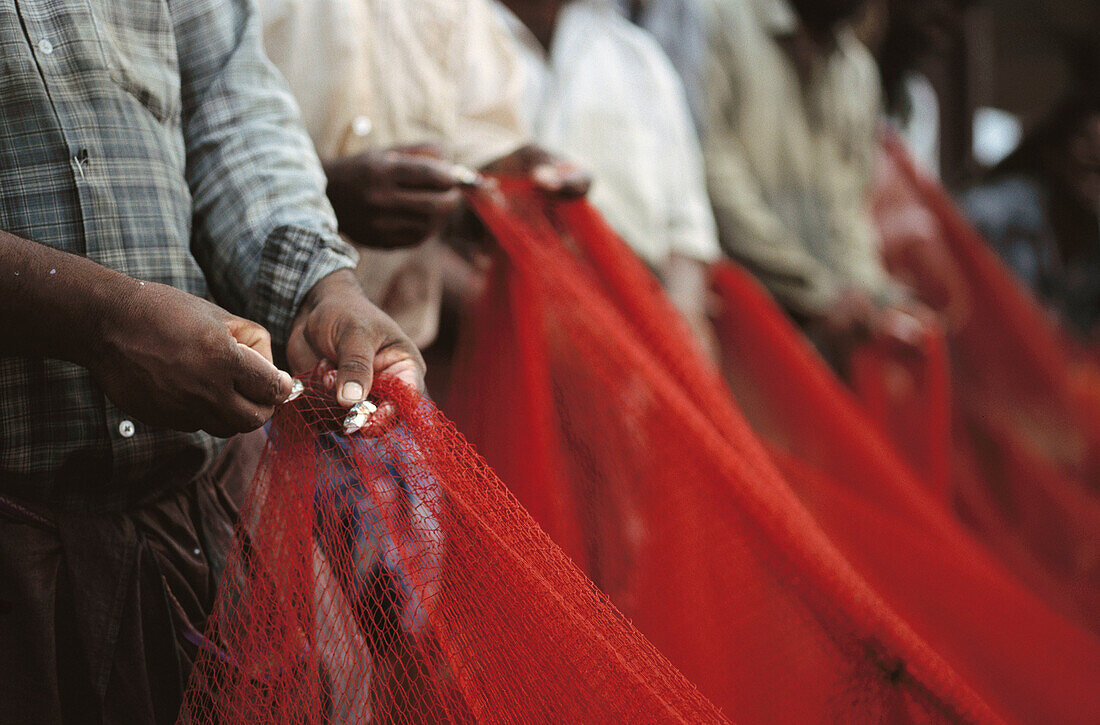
column 263, row 230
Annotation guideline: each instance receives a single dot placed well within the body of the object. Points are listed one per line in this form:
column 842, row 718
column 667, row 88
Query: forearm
column 686, row 282
column 858, row 256
column 54, row 302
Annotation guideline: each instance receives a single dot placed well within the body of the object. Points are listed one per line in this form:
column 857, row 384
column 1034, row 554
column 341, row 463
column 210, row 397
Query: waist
column 89, row 480
column 65, row 446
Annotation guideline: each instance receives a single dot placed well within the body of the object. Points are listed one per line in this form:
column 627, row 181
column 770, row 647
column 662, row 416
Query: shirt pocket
column 139, row 47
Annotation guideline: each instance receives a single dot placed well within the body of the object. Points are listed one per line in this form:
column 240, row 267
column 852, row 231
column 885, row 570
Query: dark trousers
column 95, row 608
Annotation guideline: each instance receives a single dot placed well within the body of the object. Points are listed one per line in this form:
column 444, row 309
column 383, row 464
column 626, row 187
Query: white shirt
column 608, row 98
column 790, row 168
column 383, row 73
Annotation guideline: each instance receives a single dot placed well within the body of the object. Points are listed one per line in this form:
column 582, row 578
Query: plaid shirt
column 153, row 137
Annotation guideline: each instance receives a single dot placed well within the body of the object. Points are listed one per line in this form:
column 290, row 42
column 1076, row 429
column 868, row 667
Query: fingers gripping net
column 393, row 579
column 638, row 463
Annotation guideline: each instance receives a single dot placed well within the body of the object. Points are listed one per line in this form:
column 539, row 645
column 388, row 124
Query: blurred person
column 602, row 92
column 680, row 27
column 151, row 164
column 903, row 35
column 1040, row 209
column 790, row 145
column 403, row 100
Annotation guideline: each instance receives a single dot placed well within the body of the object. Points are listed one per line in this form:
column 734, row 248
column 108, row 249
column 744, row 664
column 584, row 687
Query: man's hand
column 338, row 324
column 850, row 319
column 171, row 359
column 393, row 198
column 905, row 327
column 552, row 174
column 844, row 326
column 855, row 319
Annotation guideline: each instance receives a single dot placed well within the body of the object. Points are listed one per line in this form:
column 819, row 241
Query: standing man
column 166, row 231
column 1040, row 210
column 790, row 144
column 602, row 92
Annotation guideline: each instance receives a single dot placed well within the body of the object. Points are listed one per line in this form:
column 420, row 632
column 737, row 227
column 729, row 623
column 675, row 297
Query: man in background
column 1040, row 209
column 790, row 145
column 603, row 93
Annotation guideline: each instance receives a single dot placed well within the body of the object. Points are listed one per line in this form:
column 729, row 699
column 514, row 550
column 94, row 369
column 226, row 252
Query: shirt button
column 361, row 126
column 45, row 46
column 126, row 429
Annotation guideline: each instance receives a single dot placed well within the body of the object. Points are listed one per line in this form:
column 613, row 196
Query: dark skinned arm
column 164, row 356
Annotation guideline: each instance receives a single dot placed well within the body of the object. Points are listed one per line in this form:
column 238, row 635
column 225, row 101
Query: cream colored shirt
column 382, row 73
column 607, row 97
column 790, row 169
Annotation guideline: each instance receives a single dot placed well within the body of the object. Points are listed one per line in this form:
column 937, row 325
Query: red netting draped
column 908, row 392
column 1026, row 404
column 1026, row 660
column 393, row 579
column 580, row 385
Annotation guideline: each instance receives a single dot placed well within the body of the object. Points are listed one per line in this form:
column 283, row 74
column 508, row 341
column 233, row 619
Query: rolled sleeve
column 263, row 230
column 294, row 259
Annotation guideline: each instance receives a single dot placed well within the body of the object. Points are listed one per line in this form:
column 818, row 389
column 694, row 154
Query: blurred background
column 1002, row 71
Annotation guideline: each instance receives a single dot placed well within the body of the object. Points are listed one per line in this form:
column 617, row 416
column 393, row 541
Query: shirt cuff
column 294, row 260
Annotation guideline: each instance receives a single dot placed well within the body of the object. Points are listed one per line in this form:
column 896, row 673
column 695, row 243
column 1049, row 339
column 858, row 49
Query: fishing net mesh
column 568, row 313
column 391, row 578
column 1026, row 402
column 791, row 565
column 581, row 386
column 1005, row 638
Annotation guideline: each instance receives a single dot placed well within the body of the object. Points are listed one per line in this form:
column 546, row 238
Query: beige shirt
column 382, row 73
column 790, row 169
column 608, row 97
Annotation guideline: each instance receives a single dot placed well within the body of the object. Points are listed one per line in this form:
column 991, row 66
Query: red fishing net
column 1026, row 406
column 392, row 579
column 581, row 387
column 1027, row 661
column 798, row 572
column 907, row 391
